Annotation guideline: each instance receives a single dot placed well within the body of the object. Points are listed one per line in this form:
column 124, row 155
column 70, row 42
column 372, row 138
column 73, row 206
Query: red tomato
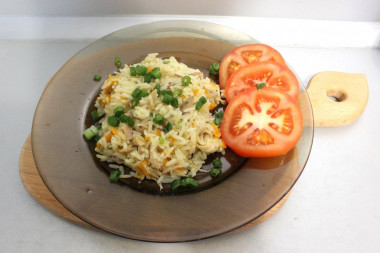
column 274, row 75
column 262, row 123
column 244, row 55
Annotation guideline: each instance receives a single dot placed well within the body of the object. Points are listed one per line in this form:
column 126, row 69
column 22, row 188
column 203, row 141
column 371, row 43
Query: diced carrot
column 180, row 168
column 216, row 132
column 171, row 139
column 109, row 136
column 211, row 106
column 114, row 130
column 141, row 168
column 149, row 69
column 158, row 132
column 193, row 125
column 109, row 87
column 139, row 174
column 98, row 145
column 142, row 163
column 145, row 172
column 195, row 92
column 167, row 160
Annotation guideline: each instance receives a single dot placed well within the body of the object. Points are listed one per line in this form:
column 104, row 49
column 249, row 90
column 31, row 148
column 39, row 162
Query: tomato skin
column 273, row 74
column 262, row 123
column 244, row 55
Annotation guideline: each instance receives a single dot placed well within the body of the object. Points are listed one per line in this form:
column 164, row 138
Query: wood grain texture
column 337, row 98
column 36, row 187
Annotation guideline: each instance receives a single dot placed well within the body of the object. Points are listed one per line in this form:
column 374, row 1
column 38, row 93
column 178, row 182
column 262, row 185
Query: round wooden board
column 36, row 187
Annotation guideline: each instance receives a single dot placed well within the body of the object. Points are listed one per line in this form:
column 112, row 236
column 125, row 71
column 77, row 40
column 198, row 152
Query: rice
column 149, row 151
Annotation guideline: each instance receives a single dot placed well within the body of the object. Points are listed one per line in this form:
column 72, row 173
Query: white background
column 347, row 10
column 335, row 205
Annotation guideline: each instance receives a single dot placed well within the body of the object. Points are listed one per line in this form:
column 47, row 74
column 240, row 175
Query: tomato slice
column 244, row 55
column 262, row 123
column 274, row 75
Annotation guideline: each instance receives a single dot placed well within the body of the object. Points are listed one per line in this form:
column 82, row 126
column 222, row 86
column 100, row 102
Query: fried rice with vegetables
column 157, row 120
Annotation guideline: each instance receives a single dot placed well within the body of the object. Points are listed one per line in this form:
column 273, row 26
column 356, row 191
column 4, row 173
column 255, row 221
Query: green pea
column 214, row 172
column 126, row 119
column 163, row 92
column 147, row 78
column 118, row 111
column 143, row 93
column 200, row 103
column 97, row 138
column 174, row 102
column 94, row 116
column 167, row 99
column 141, row 70
column 156, row 73
column 132, row 71
column 177, row 93
column 217, row 163
column 97, row 78
column 113, row 121
column 167, row 128
column 136, row 92
column 217, row 121
column 176, row 184
column 114, row 176
column 158, row 119
column 158, row 88
column 117, row 61
column 193, row 183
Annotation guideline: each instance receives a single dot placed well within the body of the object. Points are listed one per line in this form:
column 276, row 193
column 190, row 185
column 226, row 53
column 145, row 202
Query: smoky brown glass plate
column 247, row 189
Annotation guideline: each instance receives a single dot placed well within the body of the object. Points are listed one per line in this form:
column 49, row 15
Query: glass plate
column 68, row 169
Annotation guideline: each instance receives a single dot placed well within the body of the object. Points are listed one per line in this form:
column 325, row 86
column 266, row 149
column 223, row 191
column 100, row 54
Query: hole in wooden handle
column 336, row 95
column 337, row 98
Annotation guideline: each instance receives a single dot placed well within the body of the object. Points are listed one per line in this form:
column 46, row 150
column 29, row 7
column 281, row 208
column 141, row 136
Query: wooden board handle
column 337, row 98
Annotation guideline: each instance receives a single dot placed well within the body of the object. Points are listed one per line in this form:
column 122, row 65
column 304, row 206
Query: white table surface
column 334, row 206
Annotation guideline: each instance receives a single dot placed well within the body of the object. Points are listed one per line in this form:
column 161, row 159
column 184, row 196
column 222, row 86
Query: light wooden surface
column 351, row 91
column 36, row 187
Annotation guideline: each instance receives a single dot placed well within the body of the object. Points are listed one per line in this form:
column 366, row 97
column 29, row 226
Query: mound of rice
column 146, row 148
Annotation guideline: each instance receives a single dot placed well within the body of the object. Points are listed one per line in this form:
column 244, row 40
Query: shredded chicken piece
column 206, row 143
column 153, row 99
column 154, row 158
column 197, row 73
column 138, row 140
column 127, row 131
column 188, row 104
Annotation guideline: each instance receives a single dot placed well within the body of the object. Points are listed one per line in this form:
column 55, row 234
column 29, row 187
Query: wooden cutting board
column 337, row 99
